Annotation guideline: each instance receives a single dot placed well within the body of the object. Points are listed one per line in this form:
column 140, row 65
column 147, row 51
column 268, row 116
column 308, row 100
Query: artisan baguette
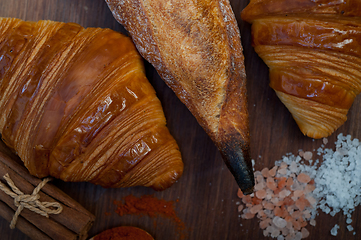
column 195, row 47
column 75, row 104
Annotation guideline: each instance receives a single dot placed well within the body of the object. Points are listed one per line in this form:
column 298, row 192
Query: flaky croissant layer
column 75, row 104
column 313, row 51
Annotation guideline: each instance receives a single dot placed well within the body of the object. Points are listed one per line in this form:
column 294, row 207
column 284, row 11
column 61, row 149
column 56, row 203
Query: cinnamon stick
column 72, row 223
column 29, row 229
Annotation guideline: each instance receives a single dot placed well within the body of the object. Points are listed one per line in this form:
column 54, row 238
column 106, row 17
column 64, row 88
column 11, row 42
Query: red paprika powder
column 151, row 206
column 124, row 233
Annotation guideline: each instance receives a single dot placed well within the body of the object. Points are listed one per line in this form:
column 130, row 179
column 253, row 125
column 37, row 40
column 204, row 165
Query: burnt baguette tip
column 238, row 161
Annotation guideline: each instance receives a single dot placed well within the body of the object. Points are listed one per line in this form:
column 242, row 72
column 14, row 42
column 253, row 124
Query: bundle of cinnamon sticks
column 73, row 222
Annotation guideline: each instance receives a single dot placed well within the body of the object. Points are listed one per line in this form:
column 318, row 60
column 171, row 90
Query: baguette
column 195, row 47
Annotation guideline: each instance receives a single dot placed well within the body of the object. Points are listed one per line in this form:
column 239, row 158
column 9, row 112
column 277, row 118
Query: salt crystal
column 305, row 233
column 274, row 200
column 307, row 155
column 279, row 222
column 272, row 172
column 282, row 171
column 303, row 178
column 289, row 181
column 265, row 172
column 261, row 214
column 283, row 165
column 275, row 233
column 290, row 236
column 261, row 194
column 301, row 153
column 255, row 209
column 309, row 188
column 285, row 231
column 257, row 173
column 298, row 193
column 264, row 224
column 284, row 193
column 311, row 200
column 293, row 167
column 240, row 208
column 298, row 236
column 307, row 214
column 268, row 205
column 296, row 186
column 334, row 230
column 259, row 186
column 280, row 237
column 349, row 228
column 272, row 185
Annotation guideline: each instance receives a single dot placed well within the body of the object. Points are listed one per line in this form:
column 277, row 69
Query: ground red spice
column 124, row 233
column 151, row 206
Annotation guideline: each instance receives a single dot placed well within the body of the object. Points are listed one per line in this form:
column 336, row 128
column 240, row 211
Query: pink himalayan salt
column 283, row 165
column 261, row 214
column 307, row 155
column 301, row 203
column 272, row 185
column 265, row 172
column 284, row 193
column 264, row 223
column 313, row 222
column 248, row 215
column 303, row 178
column 307, row 214
column 255, row 209
column 282, row 171
column 268, row 205
column 273, row 171
column 305, row 232
column 289, row 182
column 309, row 188
column 298, row 193
column 281, row 182
column 261, row 194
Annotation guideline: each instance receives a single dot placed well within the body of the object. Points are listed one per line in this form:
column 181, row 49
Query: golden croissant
column 313, row 51
column 75, row 104
column 195, row 47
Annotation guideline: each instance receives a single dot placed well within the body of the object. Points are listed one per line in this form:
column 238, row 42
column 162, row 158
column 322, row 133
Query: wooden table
column 206, row 191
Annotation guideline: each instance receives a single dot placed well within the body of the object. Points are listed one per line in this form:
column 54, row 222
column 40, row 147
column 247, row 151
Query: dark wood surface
column 206, row 193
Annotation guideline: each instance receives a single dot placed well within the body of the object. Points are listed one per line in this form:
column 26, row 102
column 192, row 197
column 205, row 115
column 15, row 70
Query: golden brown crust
column 195, row 47
column 76, row 105
column 313, row 51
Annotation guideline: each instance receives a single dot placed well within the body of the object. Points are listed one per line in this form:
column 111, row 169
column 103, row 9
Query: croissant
column 196, row 49
column 75, row 104
column 313, row 51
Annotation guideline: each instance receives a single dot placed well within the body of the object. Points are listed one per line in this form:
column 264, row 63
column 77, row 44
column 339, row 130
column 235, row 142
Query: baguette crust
column 195, row 47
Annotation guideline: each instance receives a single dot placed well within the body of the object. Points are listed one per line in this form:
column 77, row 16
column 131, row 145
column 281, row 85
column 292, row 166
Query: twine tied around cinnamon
column 30, row 202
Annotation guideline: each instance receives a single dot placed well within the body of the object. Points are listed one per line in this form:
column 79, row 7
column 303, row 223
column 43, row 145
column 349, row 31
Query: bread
column 75, row 104
column 313, row 51
column 196, row 49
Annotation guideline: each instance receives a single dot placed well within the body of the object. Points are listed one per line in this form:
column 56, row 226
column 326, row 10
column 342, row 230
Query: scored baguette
column 196, row 48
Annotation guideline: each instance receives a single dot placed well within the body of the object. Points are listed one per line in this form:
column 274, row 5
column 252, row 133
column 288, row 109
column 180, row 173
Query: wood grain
column 206, row 191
